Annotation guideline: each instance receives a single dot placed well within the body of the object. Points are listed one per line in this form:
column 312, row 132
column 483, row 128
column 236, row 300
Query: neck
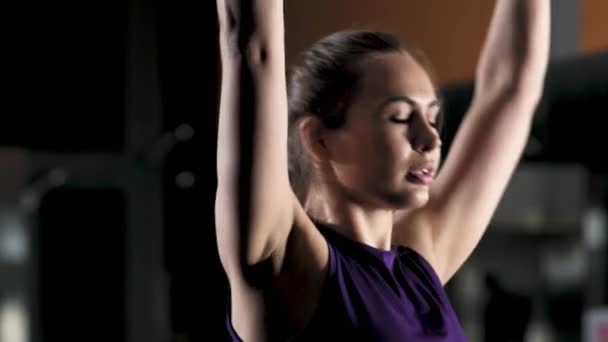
column 371, row 226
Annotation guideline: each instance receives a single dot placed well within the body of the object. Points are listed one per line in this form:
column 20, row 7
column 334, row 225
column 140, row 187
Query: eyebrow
column 407, row 100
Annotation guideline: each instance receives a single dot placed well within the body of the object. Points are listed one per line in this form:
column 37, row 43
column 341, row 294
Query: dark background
column 122, row 238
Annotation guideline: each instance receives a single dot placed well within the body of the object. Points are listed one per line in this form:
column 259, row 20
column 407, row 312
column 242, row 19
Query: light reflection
column 13, row 239
column 13, row 321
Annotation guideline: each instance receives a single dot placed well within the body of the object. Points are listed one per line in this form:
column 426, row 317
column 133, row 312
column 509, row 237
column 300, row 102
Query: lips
column 423, row 174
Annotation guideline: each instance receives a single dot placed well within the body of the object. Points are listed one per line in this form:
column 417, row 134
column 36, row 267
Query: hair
column 323, row 84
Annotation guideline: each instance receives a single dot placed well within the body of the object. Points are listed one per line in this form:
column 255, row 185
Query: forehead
column 394, row 74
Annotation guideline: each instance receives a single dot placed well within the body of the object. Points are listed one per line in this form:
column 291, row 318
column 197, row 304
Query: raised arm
column 254, row 202
column 491, row 138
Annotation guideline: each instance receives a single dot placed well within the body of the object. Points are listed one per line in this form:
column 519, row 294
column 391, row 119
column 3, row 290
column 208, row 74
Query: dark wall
column 82, row 274
column 66, row 76
column 190, row 74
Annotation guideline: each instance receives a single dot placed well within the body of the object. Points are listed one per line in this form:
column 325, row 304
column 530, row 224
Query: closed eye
column 406, row 120
column 402, row 116
column 435, row 116
column 401, row 119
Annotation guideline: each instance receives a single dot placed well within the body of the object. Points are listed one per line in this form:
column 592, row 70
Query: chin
column 408, row 199
column 419, row 199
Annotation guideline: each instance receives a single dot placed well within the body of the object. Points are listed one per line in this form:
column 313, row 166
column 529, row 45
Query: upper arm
column 490, row 140
column 469, row 188
column 254, row 204
column 260, row 223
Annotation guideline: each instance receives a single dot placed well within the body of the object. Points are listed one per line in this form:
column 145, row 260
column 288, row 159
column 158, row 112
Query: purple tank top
column 375, row 295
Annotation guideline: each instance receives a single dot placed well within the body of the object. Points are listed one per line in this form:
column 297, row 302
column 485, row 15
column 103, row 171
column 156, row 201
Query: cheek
column 375, row 152
column 392, row 146
column 387, row 154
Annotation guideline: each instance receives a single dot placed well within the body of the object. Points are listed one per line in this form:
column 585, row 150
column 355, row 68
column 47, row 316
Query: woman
column 358, row 244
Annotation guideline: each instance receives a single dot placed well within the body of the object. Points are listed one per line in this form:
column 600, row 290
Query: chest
column 381, row 304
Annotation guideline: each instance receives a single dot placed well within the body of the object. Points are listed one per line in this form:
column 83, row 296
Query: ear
column 311, row 132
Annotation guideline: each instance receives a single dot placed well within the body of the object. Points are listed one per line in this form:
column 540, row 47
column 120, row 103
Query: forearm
column 515, row 55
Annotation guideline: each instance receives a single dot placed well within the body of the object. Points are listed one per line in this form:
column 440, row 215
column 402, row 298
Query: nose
column 424, row 137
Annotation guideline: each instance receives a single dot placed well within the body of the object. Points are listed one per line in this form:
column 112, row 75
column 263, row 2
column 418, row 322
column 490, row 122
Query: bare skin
column 273, row 254
column 364, row 165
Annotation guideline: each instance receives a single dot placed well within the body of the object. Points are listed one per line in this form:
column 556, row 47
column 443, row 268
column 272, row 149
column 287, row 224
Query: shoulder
column 306, row 249
column 419, row 265
column 414, row 234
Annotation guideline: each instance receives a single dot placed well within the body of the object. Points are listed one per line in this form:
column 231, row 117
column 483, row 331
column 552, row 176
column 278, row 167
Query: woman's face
column 387, row 153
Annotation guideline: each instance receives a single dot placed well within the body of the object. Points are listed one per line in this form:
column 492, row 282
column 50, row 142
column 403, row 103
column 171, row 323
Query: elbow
column 528, row 91
column 527, row 85
column 246, row 34
column 523, row 82
column 250, row 49
column 235, row 16
column 520, row 74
